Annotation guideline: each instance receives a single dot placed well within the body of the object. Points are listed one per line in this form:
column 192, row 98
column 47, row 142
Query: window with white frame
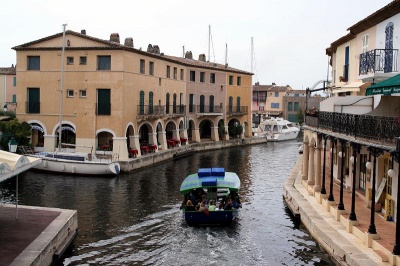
column 70, row 60
column 82, row 93
column 70, row 93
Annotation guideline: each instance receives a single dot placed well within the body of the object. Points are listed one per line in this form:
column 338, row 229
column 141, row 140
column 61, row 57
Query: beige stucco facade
column 146, row 95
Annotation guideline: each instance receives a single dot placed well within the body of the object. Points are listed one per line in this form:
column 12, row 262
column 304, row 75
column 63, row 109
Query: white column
column 311, row 165
column 214, row 133
column 196, row 135
column 305, row 161
column 163, row 140
column 137, row 145
column 120, row 151
column 227, row 134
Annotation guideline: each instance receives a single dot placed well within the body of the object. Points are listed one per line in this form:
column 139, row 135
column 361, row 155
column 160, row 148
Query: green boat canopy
column 386, row 87
column 211, row 178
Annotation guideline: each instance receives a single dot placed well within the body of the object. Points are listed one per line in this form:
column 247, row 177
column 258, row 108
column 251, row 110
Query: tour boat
column 217, row 185
column 277, row 129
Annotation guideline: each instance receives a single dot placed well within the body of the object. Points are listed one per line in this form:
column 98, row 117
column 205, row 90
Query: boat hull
column 212, row 218
column 78, row 168
column 288, row 135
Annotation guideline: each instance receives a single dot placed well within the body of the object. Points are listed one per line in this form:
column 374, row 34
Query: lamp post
column 341, row 155
column 330, row 197
column 12, row 145
column 375, row 152
column 353, row 161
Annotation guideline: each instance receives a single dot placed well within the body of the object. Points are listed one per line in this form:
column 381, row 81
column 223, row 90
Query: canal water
column 134, row 219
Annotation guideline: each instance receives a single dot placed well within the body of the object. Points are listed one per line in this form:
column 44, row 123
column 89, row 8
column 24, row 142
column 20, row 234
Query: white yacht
column 277, row 129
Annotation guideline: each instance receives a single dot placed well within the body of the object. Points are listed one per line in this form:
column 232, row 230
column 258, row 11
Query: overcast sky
column 290, row 37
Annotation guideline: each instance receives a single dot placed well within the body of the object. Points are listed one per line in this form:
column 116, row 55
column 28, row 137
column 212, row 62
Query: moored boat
column 277, row 129
column 217, row 186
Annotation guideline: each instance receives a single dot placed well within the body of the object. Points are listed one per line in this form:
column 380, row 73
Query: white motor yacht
column 277, row 129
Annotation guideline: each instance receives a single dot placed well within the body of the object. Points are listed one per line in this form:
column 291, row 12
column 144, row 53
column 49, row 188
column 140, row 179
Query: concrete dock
column 347, row 241
column 38, row 237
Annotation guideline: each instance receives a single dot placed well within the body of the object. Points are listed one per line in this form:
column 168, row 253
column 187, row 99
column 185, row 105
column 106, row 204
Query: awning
column 386, row 87
column 12, row 164
column 353, row 86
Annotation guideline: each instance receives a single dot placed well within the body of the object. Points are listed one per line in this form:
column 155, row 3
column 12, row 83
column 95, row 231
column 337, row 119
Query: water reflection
column 134, row 219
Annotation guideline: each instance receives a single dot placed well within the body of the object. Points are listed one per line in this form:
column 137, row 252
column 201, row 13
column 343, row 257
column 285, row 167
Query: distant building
column 8, row 88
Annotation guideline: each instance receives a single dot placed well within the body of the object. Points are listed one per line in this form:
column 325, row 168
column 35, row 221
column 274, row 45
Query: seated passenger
column 228, row 205
column 189, row 206
column 203, row 206
column 212, row 206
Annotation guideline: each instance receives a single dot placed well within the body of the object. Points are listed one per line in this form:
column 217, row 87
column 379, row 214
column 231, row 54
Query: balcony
column 207, row 109
column 158, row 111
column 378, row 61
column 236, row 110
column 372, row 128
column 151, row 111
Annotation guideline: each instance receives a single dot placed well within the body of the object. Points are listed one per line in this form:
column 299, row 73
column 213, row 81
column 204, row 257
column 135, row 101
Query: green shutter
column 141, row 103
column 33, row 105
column 151, row 102
column 104, row 101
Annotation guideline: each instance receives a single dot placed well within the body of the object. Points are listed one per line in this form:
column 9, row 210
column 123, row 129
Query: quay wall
column 323, row 230
column 162, row 156
column 52, row 242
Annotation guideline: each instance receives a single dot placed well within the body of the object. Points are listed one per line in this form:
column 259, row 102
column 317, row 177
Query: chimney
column 156, row 49
column 83, row 32
column 189, row 55
column 273, row 84
column 129, row 42
column 149, row 48
column 202, row 57
column 114, row 37
column 257, row 83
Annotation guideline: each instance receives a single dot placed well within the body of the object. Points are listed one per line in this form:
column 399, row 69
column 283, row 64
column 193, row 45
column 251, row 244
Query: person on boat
column 189, row 206
column 222, row 203
column 228, row 205
column 236, row 201
column 203, row 206
column 211, row 206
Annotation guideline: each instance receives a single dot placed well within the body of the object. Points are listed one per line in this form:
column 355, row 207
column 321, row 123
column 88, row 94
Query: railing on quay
column 380, row 128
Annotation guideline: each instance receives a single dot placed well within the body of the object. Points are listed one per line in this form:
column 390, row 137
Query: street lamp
column 12, row 145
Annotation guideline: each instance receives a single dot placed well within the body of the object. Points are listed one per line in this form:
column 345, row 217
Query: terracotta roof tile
column 117, row 46
column 7, row 70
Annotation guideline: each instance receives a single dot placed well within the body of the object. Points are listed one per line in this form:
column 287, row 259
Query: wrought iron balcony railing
column 378, row 61
column 211, row 109
column 154, row 110
column 236, row 110
column 161, row 110
column 380, row 128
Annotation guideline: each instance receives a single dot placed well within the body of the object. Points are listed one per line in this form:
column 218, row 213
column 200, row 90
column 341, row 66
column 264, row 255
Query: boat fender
column 62, row 167
column 45, row 164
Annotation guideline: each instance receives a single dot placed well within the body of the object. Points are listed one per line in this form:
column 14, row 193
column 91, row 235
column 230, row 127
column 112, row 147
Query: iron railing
column 378, row 61
column 236, row 110
column 208, row 109
column 378, row 128
column 161, row 110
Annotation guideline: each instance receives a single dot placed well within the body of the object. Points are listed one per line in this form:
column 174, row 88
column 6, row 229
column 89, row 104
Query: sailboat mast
column 209, row 41
column 61, row 87
column 252, row 54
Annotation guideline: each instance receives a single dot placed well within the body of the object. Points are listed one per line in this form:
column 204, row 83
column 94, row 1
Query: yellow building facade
column 117, row 99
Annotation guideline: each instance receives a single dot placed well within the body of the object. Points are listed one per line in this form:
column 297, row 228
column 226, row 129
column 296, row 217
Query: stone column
column 50, row 142
column 196, row 135
column 175, row 135
column 163, row 140
column 153, row 140
column 317, row 186
column 227, row 134
column 311, row 165
column 120, row 151
column 214, row 134
column 305, row 161
column 137, row 145
column 132, row 143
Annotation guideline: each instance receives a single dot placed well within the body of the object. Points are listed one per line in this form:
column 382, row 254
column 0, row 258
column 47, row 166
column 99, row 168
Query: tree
column 300, row 117
column 235, row 130
column 21, row 132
